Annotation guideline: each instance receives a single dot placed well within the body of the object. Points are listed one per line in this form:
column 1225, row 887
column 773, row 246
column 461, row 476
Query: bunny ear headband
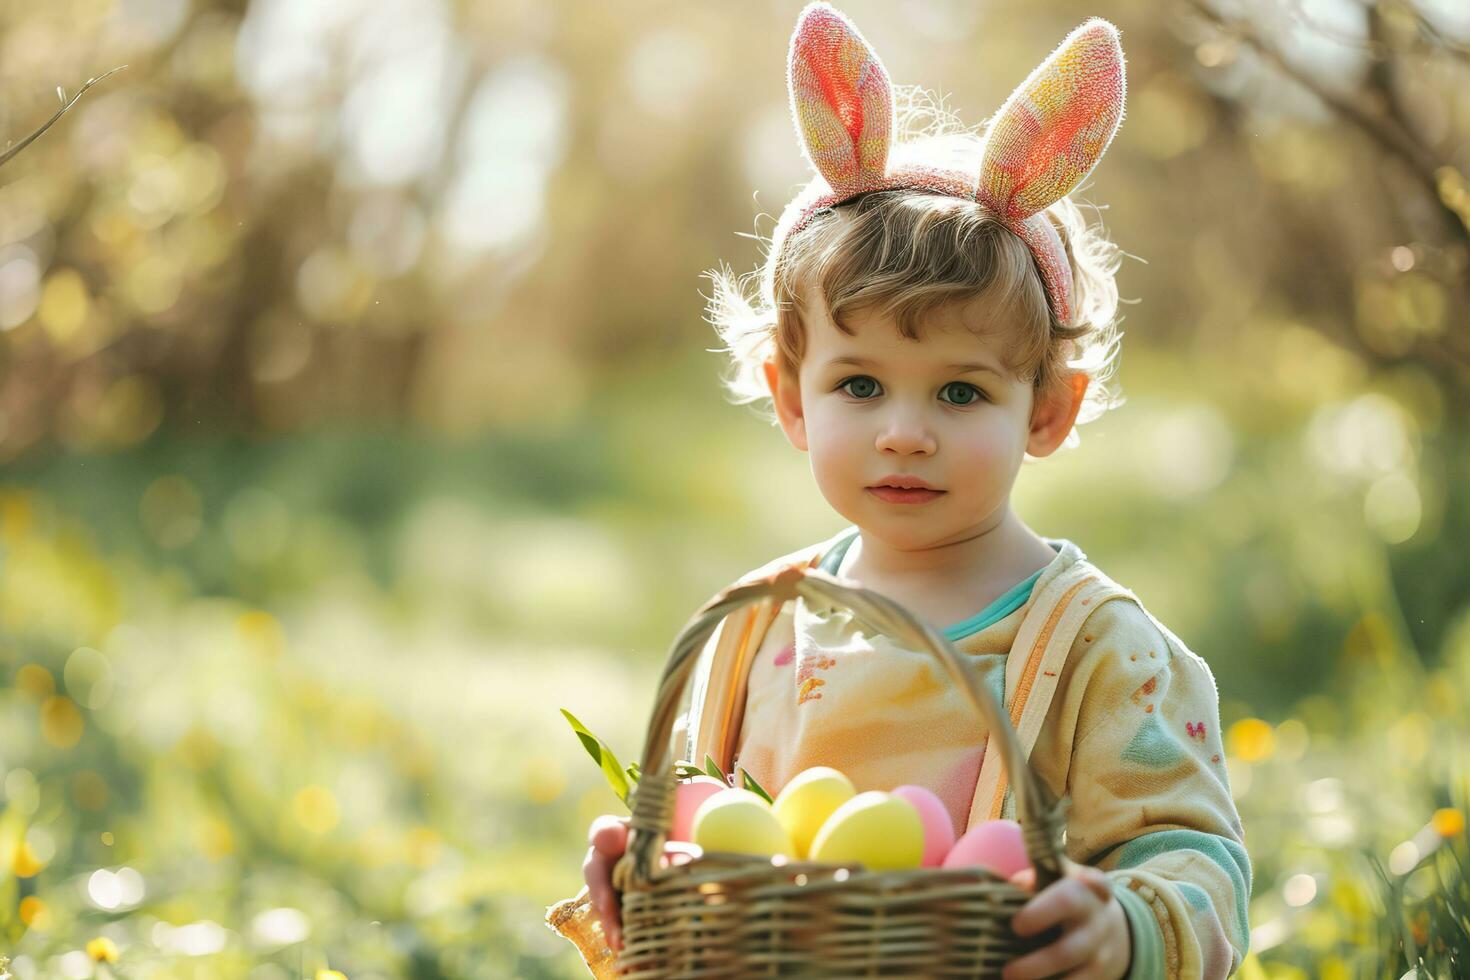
column 1046, row 138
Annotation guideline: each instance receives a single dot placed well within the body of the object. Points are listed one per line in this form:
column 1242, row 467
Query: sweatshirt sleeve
column 1150, row 799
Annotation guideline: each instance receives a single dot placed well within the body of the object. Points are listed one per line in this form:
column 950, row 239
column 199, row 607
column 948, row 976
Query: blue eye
column 869, row 388
column 967, row 387
column 857, row 379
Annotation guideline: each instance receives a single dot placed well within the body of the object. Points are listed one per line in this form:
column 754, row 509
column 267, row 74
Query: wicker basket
column 735, row 915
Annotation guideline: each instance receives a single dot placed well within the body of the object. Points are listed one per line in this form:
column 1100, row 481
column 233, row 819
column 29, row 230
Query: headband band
column 1046, row 138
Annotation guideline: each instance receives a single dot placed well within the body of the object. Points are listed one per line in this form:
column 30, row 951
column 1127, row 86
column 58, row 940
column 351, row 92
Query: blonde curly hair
column 906, row 253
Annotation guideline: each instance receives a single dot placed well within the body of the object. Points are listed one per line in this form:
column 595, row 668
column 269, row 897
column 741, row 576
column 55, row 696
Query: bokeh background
column 357, row 414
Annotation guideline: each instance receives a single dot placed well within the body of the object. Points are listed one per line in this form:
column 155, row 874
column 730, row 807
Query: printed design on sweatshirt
column 1153, row 746
column 806, row 681
column 1154, row 773
column 1198, row 731
column 1145, row 691
column 1196, row 896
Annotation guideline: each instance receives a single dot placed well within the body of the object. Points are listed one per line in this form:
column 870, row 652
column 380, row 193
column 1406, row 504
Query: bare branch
column 1376, row 126
column 65, row 105
column 1436, row 37
column 1387, row 131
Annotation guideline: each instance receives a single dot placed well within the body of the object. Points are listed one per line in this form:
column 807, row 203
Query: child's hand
column 607, row 839
column 1094, row 943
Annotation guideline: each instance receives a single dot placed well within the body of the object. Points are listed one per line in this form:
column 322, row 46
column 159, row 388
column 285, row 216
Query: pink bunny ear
column 841, row 99
column 1055, row 126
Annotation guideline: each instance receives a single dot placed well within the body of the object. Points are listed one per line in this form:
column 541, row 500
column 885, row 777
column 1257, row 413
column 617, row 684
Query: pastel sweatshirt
column 1132, row 736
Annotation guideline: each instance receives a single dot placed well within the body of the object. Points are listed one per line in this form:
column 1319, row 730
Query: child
column 934, row 313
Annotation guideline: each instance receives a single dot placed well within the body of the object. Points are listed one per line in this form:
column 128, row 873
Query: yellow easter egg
column 880, row 830
column 740, row 821
column 806, row 802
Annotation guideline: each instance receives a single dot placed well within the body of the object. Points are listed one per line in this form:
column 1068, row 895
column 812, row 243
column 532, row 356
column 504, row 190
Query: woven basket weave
column 735, row 915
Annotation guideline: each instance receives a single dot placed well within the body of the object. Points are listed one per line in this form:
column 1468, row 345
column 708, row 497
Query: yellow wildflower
column 1448, row 822
column 101, row 949
column 315, row 808
column 34, row 912
column 26, row 864
column 1251, row 740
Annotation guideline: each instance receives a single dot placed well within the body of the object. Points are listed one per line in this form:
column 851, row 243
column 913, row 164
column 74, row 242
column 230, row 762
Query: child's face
column 909, row 412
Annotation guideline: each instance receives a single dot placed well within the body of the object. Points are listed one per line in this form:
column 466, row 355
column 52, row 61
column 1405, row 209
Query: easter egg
column 879, row 829
column 688, row 795
column 938, row 827
column 996, row 845
column 806, row 802
column 740, row 821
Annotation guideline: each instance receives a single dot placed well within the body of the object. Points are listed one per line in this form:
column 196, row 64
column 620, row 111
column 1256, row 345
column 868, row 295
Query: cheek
column 993, row 445
column 840, row 450
column 833, row 437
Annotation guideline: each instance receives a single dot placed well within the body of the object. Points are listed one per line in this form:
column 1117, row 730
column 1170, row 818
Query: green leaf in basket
column 756, row 787
column 635, row 772
column 603, row 756
column 613, row 770
column 687, row 770
column 712, row 768
column 589, row 741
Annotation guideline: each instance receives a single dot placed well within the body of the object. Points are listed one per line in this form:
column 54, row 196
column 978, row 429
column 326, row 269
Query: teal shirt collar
column 1002, row 607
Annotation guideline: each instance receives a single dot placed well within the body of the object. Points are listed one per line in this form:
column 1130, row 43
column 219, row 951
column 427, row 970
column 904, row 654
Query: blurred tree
column 1389, row 149
column 1404, row 102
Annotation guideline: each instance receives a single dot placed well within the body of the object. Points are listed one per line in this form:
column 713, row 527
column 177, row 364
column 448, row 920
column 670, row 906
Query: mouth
column 905, row 495
column 904, row 481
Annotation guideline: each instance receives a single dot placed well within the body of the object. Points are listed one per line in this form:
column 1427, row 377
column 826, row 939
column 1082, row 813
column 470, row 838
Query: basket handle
column 652, row 811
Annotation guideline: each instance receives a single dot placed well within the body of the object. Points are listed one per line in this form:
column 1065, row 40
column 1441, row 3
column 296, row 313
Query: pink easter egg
column 996, row 845
column 688, row 795
column 938, row 827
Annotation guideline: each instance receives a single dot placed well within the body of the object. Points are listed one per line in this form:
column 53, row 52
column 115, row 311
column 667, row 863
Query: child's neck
column 999, row 553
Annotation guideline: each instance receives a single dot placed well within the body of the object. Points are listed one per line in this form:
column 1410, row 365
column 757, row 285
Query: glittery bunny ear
column 841, row 99
column 1055, row 126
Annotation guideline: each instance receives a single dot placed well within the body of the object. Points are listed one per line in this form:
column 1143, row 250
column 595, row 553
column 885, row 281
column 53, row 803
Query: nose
column 905, row 433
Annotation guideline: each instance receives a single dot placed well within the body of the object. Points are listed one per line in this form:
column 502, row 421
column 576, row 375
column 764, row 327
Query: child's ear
column 786, row 397
column 1053, row 416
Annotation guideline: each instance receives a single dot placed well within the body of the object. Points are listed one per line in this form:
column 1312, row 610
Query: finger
column 609, row 834
column 677, row 853
column 1025, row 879
column 1090, row 971
column 1074, row 949
column 604, row 898
column 1062, row 901
column 597, row 868
column 1096, row 881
